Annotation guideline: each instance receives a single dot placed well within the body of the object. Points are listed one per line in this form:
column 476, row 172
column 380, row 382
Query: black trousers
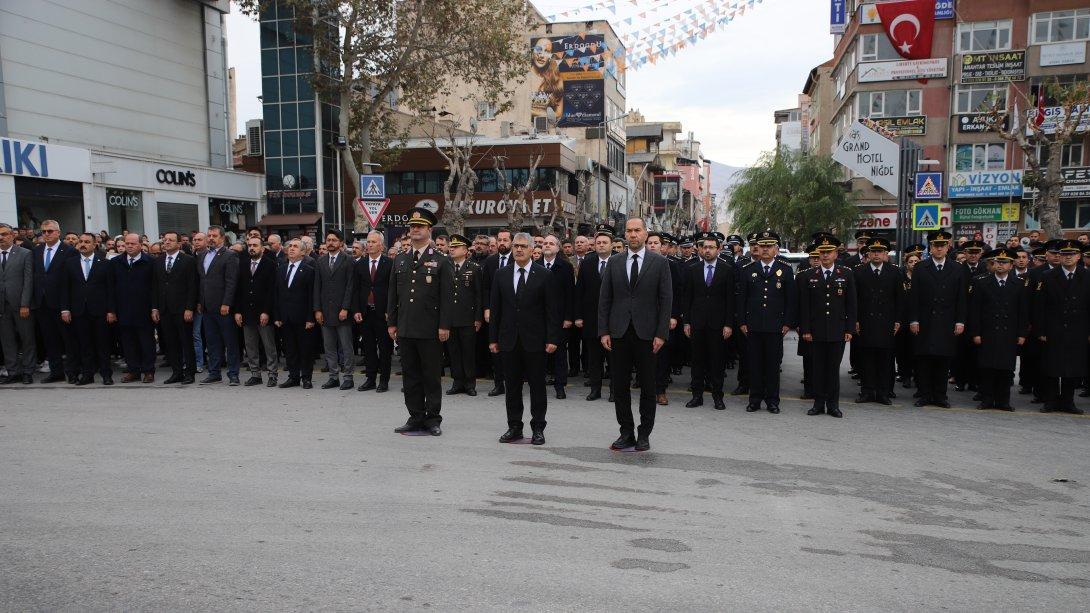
column 932, row 373
column 557, row 362
column 741, row 349
column 177, row 342
column 631, row 351
column 1059, row 393
column 682, row 350
column 995, row 387
column 708, row 361
column 575, row 346
column 299, row 344
column 662, row 366
column 805, row 350
column 596, row 355
column 876, row 364
column 764, row 353
column 855, row 355
column 421, row 367
column 1029, row 367
column 484, row 355
column 57, row 341
column 138, row 345
column 520, row 365
column 462, row 347
column 92, row 343
column 906, row 362
column 826, row 356
column 377, row 345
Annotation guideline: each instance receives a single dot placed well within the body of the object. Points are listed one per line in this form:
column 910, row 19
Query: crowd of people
column 516, row 309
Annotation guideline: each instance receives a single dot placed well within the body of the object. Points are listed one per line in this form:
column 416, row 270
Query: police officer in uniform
column 740, row 340
column 965, row 362
column 812, row 261
column 1062, row 325
column 879, row 285
column 906, row 358
column 767, row 304
column 466, row 317
column 827, row 319
column 419, row 316
column 937, row 310
column 998, row 325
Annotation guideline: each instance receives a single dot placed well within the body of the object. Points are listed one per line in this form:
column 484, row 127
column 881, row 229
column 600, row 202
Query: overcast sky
column 724, row 89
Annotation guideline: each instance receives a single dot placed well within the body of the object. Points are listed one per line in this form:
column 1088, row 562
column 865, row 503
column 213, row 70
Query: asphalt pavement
column 147, row 497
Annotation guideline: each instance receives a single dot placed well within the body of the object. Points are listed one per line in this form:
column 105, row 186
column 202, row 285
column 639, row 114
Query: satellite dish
column 430, row 205
column 289, row 181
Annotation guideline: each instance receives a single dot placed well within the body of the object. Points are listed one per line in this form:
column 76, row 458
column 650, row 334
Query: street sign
column 373, row 187
column 928, row 185
column 925, row 216
column 373, row 209
column 871, row 155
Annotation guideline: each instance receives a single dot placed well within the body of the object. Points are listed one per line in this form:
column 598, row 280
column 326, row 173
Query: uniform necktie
column 548, row 265
column 768, row 269
column 940, row 267
column 48, row 257
column 86, row 268
column 1070, row 276
column 131, row 260
column 503, row 261
column 521, row 281
column 877, row 271
column 635, row 270
column 1002, row 282
column 291, row 267
column 708, row 275
column 828, row 273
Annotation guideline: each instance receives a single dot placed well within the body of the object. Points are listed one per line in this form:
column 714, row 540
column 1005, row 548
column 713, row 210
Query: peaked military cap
column 457, row 240
column 939, row 237
column 878, row 244
column 603, row 229
column 973, row 246
column 420, row 216
column 826, row 242
column 768, row 237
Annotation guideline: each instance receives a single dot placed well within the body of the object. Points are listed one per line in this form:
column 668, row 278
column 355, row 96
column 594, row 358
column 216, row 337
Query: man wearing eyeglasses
column 49, row 278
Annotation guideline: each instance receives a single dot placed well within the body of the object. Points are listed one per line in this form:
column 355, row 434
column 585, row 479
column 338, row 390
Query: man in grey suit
column 634, row 318
column 16, row 326
column 332, row 298
column 218, row 271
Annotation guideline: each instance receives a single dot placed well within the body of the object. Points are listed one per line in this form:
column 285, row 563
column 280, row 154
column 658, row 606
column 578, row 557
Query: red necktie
column 371, row 293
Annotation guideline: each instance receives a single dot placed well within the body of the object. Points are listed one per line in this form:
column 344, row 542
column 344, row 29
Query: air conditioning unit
column 541, row 124
column 595, row 133
column 255, row 141
column 505, row 129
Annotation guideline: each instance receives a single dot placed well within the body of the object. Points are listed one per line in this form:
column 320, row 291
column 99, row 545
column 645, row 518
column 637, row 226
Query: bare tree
column 460, row 185
column 1042, row 139
column 516, row 193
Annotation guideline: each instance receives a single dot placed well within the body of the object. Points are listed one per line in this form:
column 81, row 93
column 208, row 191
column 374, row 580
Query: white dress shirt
column 515, row 274
column 639, row 263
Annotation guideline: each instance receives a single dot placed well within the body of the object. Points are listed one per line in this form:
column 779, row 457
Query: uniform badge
column 778, row 286
column 427, row 279
column 754, row 275
column 779, row 272
column 840, row 291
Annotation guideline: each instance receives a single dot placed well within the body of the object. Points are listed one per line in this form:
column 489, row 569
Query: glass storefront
column 125, row 211
column 236, row 216
column 37, row 200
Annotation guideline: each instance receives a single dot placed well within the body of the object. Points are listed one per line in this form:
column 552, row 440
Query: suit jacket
column 587, row 291
column 131, row 289
column 333, row 288
column 1061, row 310
column 999, row 316
column 362, row 285
column 767, row 303
column 294, row 304
column 254, row 293
column 709, row 307
column 175, row 292
column 48, row 284
column 827, row 308
column 219, row 282
column 563, row 279
column 532, row 317
column 938, row 301
column 17, row 280
column 646, row 307
column 880, row 304
column 488, row 268
column 90, row 297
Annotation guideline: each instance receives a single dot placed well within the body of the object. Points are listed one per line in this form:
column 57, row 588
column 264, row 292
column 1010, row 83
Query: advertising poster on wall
column 572, row 70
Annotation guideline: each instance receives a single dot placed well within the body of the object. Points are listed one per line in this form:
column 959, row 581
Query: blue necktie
column 48, row 257
column 708, row 276
column 86, row 268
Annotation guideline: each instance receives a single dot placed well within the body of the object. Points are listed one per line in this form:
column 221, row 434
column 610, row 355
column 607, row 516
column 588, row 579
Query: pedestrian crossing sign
column 925, row 216
column 928, row 185
column 373, row 187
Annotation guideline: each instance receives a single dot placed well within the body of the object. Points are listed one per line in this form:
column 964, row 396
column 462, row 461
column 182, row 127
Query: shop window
column 981, row 98
column 1060, row 26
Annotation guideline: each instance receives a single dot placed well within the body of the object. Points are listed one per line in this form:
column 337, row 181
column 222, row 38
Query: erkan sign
column 978, row 123
column 990, row 67
column 868, row 153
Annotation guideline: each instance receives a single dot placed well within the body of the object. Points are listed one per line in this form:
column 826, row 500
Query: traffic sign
column 372, row 209
column 925, row 216
column 928, row 185
column 373, row 187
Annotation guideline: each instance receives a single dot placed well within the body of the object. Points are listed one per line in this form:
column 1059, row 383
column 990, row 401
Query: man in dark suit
column 492, row 263
column 879, row 286
column 84, row 304
column 131, row 280
column 467, row 315
column 332, row 304
column 293, row 314
column 49, row 280
column 709, row 317
column 218, row 270
column 998, row 326
column 173, row 307
column 634, row 319
column 1062, row 325
column 526, row 327
column 563, row 281
column 827, row 319
column 767, row 309
column 253, row 310
column 372, row 286
column 16, row 326
column 586, row 307
column 937, row 310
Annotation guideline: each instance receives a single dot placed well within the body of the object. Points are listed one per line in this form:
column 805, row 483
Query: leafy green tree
column 794, row 194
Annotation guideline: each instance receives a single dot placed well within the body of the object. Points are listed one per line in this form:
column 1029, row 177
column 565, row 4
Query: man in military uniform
column 998, row 325
column 1030, row 379
column 655, row 244
column 419, row 316
column 466, row 317
column 879, row 285
column 687, row 252
column 813, row 261
column 1062, row 325
column 767, row 304
column 708, row 312
column 827, row 319
column 965, row 361
column 937, row 309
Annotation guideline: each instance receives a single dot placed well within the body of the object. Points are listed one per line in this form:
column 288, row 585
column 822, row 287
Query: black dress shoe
column 471, row 392
column 538, row 438
column 695, row 401
column 885, row 401
column 1074, row 410
column 863, row 398
column 753, row 407
column 511, row 435
column 561, row 394
column 921, row 402
column 331, row 383
column 107, row 380
column 718, row 404
column 642, row 444
column 368, row 384
column 28, row 379
column 85, row 380
column 72, row 379
column 172, row 379
column 347, row 383
column 594, row 394
column 252, row 381
column 740, row 391
column 983, row 405
column 454, row 390
column 1006, row 408
column 307, row 384
column 610, row 398
column 272, row 381
column 815, row 411
column 188, row 380
column 624, row 442
column 53, row 378
column 232, row 381
column 408, row 427
column 774, row 409
column 435, row 430
column 383, row 387
column 496, row 391
column 289, row 382
column 942, row 403
column 210, row 379
column 835, row 412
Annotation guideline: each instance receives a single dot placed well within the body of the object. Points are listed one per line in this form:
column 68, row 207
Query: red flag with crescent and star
column 909, row 25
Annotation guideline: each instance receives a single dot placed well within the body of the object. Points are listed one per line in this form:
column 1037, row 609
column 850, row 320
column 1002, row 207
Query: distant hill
column 724, row 176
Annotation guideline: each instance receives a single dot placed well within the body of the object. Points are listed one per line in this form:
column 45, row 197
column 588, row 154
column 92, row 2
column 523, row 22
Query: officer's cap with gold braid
column 603, row 229
column 939, row 237
column 457, row 240
column 767, row 237
column 826, row 242
column 420, row 216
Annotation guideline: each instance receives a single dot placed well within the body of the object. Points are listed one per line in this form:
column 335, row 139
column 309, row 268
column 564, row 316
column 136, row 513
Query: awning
column 294, row 219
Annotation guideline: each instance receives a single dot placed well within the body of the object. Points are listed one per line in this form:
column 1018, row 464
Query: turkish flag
column 1039, row 118
column 909, row 25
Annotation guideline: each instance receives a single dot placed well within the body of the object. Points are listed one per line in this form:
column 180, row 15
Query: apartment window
column 980, row 156
column 1070, row 157
column 895, row 103
column 486, row 111
column 984, row 36
column 1060, row 26
column 876, row 47
column 979, row 98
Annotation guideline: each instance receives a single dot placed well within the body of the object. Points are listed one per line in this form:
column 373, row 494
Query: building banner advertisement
column 986, row 212
column 1076, row 183
column 1063, row 54
column 904, row 126
column 902, row 70
column 24, row 158
column 871, row 155
column 979, row 123
column 838, row 18
column 989, row 67
column 868, row 14
column 986, row 184
column 572, row 69
column 1056, row 115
